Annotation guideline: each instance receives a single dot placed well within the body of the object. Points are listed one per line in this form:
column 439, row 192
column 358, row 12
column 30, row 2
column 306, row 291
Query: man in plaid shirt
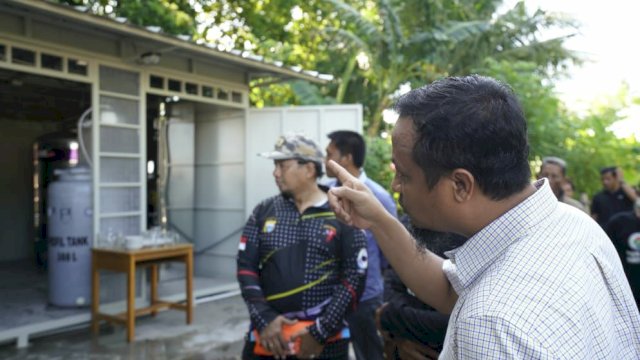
column 536, row 279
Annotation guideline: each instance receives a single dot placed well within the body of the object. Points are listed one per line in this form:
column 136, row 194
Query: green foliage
column 273, row 95
column 413, row 41
column 173, row 16
column 378, row 160
column 585, row 142
column 547, row 119
column 593, row 146
column 514, row 36
column 417, row 41
column 378, row 164
column 294, row 93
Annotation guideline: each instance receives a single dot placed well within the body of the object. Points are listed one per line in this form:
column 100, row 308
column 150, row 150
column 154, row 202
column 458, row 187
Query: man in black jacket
column 615, row 197
column 624, row 230
column 411, row 328
column 297, row 263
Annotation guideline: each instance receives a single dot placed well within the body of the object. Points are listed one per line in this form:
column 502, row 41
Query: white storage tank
column 70, row 228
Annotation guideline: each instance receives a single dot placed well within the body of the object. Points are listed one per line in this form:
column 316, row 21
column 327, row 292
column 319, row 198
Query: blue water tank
column 69, row 230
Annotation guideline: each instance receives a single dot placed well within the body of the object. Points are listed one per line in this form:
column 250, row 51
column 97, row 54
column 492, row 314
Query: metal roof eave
column 238, row 58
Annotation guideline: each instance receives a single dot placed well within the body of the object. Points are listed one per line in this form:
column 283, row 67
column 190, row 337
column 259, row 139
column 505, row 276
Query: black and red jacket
column 308, row 266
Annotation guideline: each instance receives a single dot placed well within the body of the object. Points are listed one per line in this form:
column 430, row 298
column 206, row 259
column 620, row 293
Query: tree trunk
column 376, row 117
column 344, row 80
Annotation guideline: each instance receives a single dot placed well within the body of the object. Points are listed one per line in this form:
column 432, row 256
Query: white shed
column 56, row 62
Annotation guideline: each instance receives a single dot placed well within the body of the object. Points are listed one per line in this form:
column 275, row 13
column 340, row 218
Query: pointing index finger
column 341, row 173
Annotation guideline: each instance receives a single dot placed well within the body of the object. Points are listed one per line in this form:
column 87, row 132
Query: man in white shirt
column 536, row 278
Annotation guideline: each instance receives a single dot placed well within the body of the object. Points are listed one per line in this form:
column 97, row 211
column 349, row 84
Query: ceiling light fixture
column 150, row 58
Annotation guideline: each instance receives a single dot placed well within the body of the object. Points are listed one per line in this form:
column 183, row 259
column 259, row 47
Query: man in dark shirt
column 413, row 329
column 297, row 264
column 616, row 196
column 624, row 231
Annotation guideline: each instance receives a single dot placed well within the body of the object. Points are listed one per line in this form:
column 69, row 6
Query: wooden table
column 127, row 261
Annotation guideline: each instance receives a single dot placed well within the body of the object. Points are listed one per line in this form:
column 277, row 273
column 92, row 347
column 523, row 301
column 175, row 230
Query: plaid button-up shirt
column 542, row 281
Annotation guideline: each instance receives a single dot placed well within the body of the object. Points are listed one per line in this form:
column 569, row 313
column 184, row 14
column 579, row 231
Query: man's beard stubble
column 435, row 241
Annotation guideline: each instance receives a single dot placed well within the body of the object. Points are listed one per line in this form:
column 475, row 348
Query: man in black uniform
column 617, row 196
column 298, row 264
column 624, row 231
column 411, row 328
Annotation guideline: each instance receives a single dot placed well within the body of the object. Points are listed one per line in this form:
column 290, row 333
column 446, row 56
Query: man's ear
column 463, row 184
column 311, row 169
column 349, row 159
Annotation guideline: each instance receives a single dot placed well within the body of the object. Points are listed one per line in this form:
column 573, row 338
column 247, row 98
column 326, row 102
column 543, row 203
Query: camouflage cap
column 295, row 146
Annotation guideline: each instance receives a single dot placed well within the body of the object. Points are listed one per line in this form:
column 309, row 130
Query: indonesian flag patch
column 243, row 243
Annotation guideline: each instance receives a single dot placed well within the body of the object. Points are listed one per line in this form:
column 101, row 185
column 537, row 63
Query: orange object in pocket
column 287, row 332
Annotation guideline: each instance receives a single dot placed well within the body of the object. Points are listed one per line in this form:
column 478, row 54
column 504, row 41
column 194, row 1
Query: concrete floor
column 216, row 334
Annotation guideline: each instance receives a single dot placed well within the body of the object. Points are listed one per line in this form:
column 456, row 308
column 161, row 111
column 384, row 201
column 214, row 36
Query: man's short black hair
column 609, row 170
column 350, row 142
column 474, row 123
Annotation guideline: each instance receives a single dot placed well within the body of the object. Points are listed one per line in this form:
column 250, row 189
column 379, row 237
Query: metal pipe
column 163, row 167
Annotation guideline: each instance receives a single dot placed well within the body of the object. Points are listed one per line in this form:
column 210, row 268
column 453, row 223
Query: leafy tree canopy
column 173, row 16
column 586, row 142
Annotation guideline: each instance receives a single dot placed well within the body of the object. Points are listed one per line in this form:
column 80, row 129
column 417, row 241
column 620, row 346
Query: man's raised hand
column 353, row 202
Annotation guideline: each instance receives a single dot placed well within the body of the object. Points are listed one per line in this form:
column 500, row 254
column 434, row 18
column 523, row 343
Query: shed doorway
column 195, row 184
column 38, row 122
